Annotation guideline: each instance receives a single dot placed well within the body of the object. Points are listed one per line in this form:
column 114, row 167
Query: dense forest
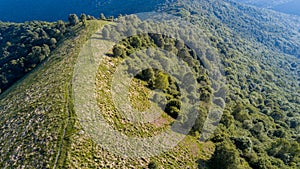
column 23, row 46
column 260, row 55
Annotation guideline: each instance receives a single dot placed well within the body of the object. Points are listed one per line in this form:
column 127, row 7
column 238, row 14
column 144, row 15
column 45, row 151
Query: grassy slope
column 36, row 113
column 85, row 153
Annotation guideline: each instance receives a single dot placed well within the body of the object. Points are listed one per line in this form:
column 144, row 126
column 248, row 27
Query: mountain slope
column 36, row 113
column 265, row 3
column 259, row 127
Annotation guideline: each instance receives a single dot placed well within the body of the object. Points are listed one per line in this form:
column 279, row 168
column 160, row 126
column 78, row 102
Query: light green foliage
column 161, row 81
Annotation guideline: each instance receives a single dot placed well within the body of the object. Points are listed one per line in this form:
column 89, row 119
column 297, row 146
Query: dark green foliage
column 243, row 143
column 287, row 151
column 277, row 115
column 111, row 18
column 262, row 99
column 158, row 39
column 118, row 51
column 227, row 119
column 136, row 42
column 24, row 46
column 200, row 119
column 205, row 96
column 172, row 111
column 173, row 108
column 73, row 19
column 157, row 79
column 152, row 165
column 280, row 133
column 225, row 157
column 148, row 74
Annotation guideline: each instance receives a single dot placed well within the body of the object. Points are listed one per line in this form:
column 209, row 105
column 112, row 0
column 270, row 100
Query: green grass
column 36, row 113
column 111, row 114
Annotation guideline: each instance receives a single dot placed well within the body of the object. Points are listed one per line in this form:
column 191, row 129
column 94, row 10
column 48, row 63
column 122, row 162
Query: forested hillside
column 24, row 46
column 264, row 3
column 259, row 51
column 263, row 81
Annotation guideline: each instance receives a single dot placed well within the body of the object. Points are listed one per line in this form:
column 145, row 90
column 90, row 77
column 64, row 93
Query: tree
column 161, row 81
column 183, row 53
column 73, row 19
column 102, row 16
column 147, row 75
column 118, row 51
column 61, row 26
column 45, row 52
column 152, row 165
column 243, row 143
column 105, row 33
column 136, row 42
column 173, row 108
column 111, row 18
column 225, row 157
column 158, row 39
column 83, row 19
column 52, row 43
column 179, row 44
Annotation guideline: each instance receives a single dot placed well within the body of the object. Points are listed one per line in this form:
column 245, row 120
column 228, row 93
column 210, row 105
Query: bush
column 152, row 165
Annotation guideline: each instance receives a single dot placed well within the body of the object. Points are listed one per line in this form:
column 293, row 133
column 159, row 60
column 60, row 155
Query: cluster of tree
column 157, row 79
column 74, row 19
column 24, row 46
